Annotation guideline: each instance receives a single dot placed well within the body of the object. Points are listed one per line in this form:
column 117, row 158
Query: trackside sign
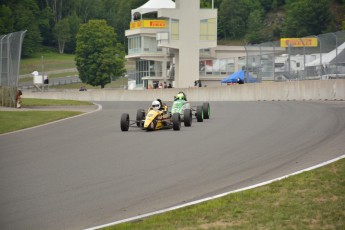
column 148, row 24
column 298, row 42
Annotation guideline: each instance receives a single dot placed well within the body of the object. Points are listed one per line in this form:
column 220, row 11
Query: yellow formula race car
column 155, row 119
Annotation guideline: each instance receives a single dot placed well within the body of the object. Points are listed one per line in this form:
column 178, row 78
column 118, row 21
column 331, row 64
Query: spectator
column 240, row 81
column 160, row 85
column 169, row 86
column 19, row 99
column 199, row 83
column 155, row 84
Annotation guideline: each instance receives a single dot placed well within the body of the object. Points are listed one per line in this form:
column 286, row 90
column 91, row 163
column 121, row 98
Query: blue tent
column 239, row 74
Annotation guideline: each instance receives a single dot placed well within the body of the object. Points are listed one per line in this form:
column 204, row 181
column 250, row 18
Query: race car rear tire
column 187, row 117
column 206, row 109
column 140, row 117
column 125, row 122
column 176, row 119
column 199, row 113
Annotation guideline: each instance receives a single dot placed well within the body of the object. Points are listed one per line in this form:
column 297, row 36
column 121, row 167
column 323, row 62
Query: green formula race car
column 187, row 112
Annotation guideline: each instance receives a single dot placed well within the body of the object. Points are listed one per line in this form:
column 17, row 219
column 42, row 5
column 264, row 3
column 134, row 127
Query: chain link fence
column 10, row 52
column 313, row 57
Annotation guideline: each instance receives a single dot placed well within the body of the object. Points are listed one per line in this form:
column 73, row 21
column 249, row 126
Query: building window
column 175, row 30
column 208, row 29
column 146, row 68
column 150, row 45
column 134, row 45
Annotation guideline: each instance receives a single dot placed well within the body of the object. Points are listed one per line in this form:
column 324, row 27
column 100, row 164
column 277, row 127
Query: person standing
column 199, row 83
column 19, row 99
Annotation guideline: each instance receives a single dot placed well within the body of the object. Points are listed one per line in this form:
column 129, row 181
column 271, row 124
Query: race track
column 84, row 172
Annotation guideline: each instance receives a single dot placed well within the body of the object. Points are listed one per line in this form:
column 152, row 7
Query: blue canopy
column 239, row 74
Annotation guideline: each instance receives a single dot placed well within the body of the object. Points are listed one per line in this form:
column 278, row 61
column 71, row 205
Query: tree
column 99, row 58
column 233, row 16
column 46, row 24
column 307, row 17
column 255, row 25
column 74, row 24
column 62, row 34
column 6, row 20
column 26, row 13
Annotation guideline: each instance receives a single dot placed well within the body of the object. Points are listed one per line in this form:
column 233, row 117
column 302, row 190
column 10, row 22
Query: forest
column 54, row 24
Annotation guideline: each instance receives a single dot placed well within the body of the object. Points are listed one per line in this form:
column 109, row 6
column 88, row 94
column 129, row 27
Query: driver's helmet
column 180, row 96
column 156, row 105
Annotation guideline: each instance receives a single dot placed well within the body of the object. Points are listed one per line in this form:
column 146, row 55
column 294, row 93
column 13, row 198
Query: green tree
column 62, row 34
column 307, row 17
column 255, row 25
column 74, row 25
column 6, row 20
column 233, row 17
column 46, row 24
column 99, row 58
column 26, row 13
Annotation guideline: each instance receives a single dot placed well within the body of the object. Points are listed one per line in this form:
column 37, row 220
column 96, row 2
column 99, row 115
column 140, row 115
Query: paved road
column 84, row 172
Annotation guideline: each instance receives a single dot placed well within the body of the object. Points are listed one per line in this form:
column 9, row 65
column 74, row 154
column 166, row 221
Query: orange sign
column 148, row 24
column 298, row 42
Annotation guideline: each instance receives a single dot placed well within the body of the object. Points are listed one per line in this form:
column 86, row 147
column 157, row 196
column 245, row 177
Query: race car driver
column 180, row 96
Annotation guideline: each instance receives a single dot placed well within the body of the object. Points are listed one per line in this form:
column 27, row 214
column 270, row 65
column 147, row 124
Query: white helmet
column 156, row 105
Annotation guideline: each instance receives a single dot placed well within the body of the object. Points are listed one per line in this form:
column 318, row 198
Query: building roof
column 154, row 6
column 333, row 57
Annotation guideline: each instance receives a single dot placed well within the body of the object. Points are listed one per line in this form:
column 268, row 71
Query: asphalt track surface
column 84, row 172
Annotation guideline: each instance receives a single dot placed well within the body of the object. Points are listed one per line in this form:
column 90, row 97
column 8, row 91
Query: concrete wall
column 296, row 90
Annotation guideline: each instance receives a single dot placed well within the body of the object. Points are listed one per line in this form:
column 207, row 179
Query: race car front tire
column 125, row 122
column 140, row 117
column 199, row 113
column 206, row 109
column 176, row 119
column 187, row 117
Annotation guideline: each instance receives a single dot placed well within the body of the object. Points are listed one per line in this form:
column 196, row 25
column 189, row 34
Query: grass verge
column 29, row 102
column 311, row 200
column 13, row 120
column 16, row 120
column 51, row 61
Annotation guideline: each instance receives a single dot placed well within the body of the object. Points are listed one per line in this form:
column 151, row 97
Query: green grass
column 51, row 61
column 13, row 120
column 16, row 120
column 312, row 200
column 29, row 102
